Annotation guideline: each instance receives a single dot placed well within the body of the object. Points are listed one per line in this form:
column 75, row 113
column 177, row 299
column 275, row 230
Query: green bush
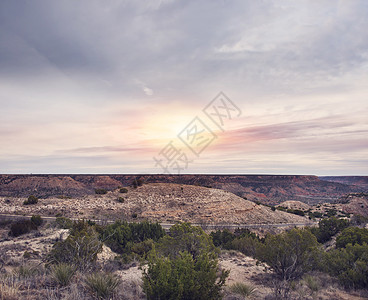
column 183, row 277
column 121, row 236
column 62, row 273
column 222, row 238
column 242, row 240
column 143, row 248
column 352, row 235
column 137, row 182
column 31, row 200
column 281, row 208
column 102, row 285
column 37, row 220
column 120, row 199
column 184, row 237
column 80, row 248
column 100, row 191
column 123, row 190
column 290, row 254
column 315, row 214
column 64, row 223
column 349, row 265
column 21, row 227
column 327, row 228
column 248, row 245
column 184, row 266
column 296, row 212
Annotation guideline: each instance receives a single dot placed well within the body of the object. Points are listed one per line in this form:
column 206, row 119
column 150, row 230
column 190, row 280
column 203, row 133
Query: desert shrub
column 248, row 245
column 222, row 238
column 117, row 236
column 331, row 212
column 315, row 214
column 102, row 285
column 146, row 230
column 185, row 237
column 352, row 235
column 137, row 182
column 122, row 236
column 64, row 223
column 143, row 248
column 25, row 271
column 298, row 212
column 183, row 277
column 31, row 200
column 282, row 208
column 290, row 254
column 281, row 290
column 312, row 283
column 63, row 197
column 80, row 248
column 273, row 208
column 62, row 273
column 184, row 266
column 80, row 226
column 21, row 227
column 243, row 289
column 349, row 265
column 100, row 191
column 120, row 199
column 123, row 190
column 328, row 228
column 242, row 240
column 37, row 220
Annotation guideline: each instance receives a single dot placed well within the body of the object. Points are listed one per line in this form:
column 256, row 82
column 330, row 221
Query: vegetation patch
column 100, row 191
column 31, row 200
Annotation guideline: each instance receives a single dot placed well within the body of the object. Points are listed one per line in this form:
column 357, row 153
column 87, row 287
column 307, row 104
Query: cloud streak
column 91, row 79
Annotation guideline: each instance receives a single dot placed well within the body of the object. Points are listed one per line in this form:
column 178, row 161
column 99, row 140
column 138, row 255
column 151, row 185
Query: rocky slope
column 355, row 204
column 267, row 189
column 163, row 202
column 361, row 181
column 294, row 205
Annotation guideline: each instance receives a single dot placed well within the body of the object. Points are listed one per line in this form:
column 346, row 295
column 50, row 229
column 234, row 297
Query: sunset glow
column 92, row 87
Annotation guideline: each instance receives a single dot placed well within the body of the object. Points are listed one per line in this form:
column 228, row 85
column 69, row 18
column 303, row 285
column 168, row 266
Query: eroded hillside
column 164, row 202
column 267, row 189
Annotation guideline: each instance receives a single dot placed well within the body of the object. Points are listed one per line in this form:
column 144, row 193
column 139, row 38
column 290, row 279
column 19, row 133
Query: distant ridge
column 267, row 189
column 361, row 181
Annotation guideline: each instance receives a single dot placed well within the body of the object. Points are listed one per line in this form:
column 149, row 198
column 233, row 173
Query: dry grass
column 243, row 289
column 62, row 273
column 102, row 285
column 9, row 288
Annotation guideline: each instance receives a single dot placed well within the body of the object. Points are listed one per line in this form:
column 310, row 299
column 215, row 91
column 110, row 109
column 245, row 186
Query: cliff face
column 268, row 189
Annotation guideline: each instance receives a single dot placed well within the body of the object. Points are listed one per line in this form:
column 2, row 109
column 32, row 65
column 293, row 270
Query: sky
column 128, row 86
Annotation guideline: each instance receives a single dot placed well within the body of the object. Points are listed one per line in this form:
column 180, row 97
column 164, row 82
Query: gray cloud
column 173, row 45
column 73, row 62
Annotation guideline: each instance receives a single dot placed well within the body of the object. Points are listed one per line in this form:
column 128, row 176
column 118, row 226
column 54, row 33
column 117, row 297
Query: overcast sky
column 104, row 86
